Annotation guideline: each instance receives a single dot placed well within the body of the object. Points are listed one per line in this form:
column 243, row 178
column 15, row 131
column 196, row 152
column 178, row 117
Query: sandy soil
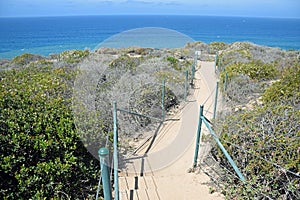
column 159, row 170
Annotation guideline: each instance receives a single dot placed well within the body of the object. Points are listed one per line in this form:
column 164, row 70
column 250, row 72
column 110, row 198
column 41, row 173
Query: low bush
column 26, row 59
column 41, row 156
column 287, row 88
column 174, row 63
column 264, row 143
column 73, row 56
column 256, row 139
column 126, row 63
column 217, row 46
column 256, row 70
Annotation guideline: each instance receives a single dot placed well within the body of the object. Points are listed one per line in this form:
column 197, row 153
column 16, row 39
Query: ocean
column 48, row 35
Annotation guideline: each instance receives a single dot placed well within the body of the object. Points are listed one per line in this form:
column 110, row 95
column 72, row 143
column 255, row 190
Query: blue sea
column 48, row 35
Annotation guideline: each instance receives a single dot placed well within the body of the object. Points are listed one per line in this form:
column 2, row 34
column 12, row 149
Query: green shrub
column 26, row 59
column 256, row 70
column 174, row 62
column 126, row 63
column 217, row 46
column 264, row 135
column 41, row 156
column 73, row 56
column 256, row 138
column 236, row 55
column 288, row 87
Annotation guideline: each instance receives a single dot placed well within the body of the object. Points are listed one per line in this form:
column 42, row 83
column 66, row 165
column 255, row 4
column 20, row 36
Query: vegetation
column 263, row 134
column 42, row 157
column 43, row 99
column 256, row 70
column 174, row 62
column 286, row 89
column 135, row 83
column 73, row 56
column 217, row 46
column 25, row 59
column 126, row 62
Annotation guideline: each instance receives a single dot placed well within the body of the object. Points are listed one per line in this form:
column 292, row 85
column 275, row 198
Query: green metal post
column 225, row 81
column 193, row 74
column 216, row 100
column 186, row 84
column 215, row 64
column 116, row 177
column 216, row 60
column 220, row 65
column 194, row 66
column 198, row 139
column 236, row 169
column 163, row 99
column 103, row 155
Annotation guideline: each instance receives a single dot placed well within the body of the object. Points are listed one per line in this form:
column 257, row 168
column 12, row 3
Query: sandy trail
column 160, row 172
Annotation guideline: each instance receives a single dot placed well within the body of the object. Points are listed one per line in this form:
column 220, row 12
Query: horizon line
column 124, row 14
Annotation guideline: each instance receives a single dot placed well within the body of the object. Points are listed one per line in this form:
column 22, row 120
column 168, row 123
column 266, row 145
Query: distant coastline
column 50, row 35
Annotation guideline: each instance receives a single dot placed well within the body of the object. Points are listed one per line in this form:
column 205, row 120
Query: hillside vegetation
column 260, row 122
column 44, row 150
column 56, row 111
column 41, row 154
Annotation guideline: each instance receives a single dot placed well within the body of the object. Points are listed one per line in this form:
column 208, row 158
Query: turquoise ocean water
column 47, row 35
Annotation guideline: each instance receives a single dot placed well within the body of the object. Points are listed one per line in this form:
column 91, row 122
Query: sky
column 244, row 8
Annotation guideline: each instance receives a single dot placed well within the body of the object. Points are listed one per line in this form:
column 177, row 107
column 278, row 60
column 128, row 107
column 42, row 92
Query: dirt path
column 160, row 172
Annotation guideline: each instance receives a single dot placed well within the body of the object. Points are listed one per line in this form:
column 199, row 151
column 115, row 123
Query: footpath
column 159, row 170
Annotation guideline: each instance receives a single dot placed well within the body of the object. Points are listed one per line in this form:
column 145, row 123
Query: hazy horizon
column 187, row 15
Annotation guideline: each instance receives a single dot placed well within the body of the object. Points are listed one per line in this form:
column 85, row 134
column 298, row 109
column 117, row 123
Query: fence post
column 225, row 81
column 163, row 99
column 198, row 139
column 186, row 84
column 103, row 155
column 216, row 100
column 194, row 66
column 232, row 163
column 216, row 60
column 116, row 177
